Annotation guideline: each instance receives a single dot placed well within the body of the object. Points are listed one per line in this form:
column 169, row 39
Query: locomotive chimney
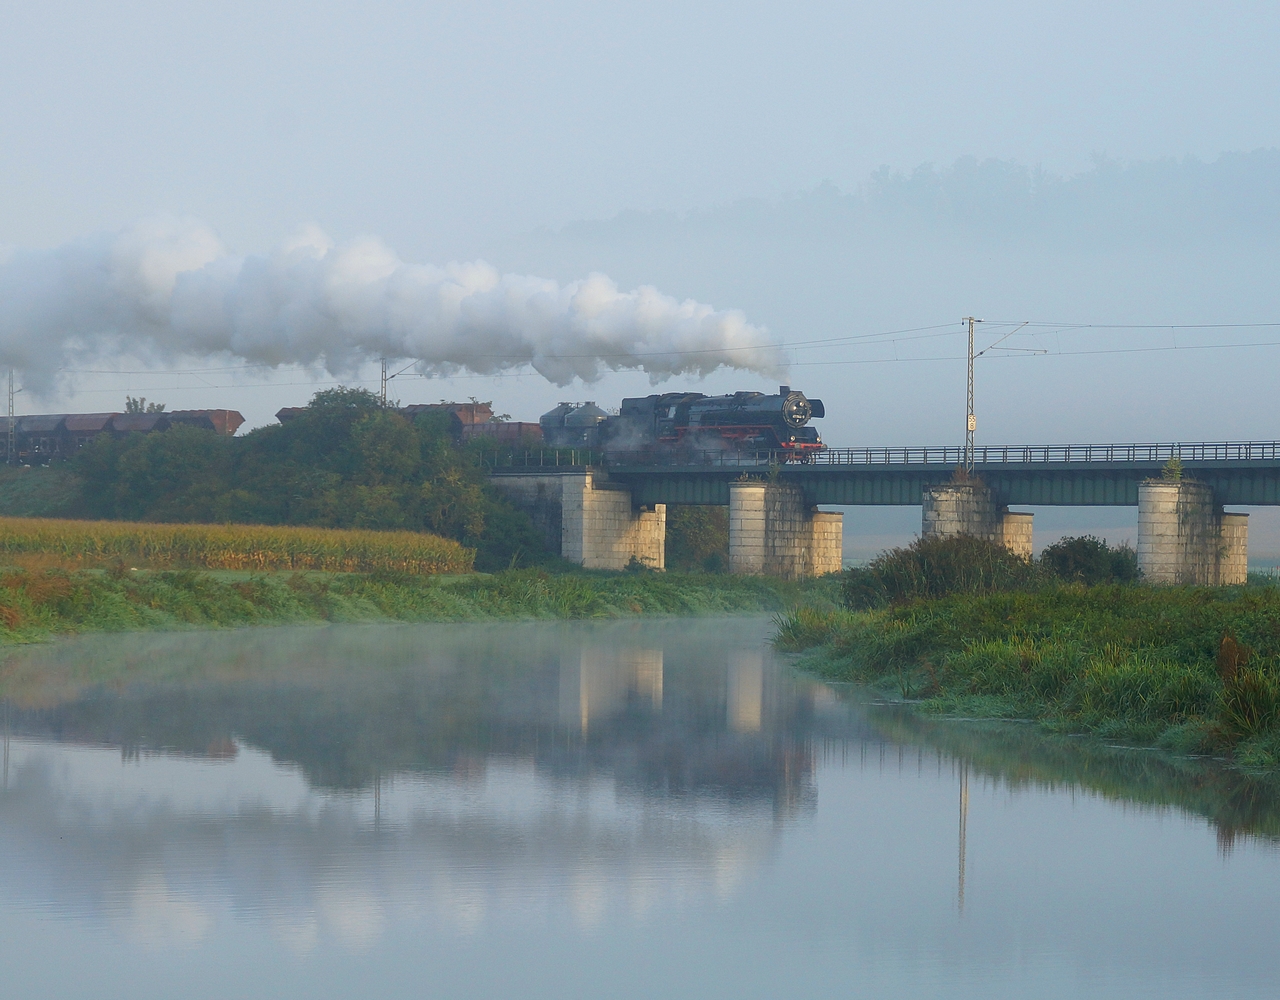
column 783, row 390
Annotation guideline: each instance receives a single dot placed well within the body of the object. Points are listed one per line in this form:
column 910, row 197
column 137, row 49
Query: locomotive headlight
column 796, row 410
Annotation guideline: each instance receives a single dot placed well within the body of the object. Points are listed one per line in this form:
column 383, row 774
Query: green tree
column 139, row 404
column 174, row 476
column 1090, row 561
column 697, row 537
column 344, row 461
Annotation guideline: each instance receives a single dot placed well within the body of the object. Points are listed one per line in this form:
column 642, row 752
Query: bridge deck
column 1246, row 472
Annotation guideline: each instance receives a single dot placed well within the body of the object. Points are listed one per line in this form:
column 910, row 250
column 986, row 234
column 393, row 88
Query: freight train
column 690, row 422
column 39, row 438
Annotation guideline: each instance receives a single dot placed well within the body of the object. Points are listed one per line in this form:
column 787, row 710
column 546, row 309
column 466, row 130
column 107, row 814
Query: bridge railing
column 540, row 458
column 950, row 455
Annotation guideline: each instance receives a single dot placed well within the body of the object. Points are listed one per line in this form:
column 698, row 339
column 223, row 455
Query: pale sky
column 531, row 135
column 441, row 127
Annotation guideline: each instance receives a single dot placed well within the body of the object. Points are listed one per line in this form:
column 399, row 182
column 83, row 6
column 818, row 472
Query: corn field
column 230, row 546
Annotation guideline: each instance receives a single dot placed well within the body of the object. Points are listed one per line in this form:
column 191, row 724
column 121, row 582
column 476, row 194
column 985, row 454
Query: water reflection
column 332, row 785
column 599, row 681
column 332, row 778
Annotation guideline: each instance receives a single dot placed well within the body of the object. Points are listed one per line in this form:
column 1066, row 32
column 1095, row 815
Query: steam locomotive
column 692, row 422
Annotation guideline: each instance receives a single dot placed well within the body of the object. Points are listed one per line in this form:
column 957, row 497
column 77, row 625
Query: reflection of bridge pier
column 597, row 682
column 745, row 696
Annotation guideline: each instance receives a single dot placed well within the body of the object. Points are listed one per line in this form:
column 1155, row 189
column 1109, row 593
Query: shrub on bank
column 963, row 564
column 1090, row 561
column 932, row 567
column 697, row 538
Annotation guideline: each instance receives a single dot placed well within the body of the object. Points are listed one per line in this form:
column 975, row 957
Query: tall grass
column 88, row 544
column 35, row 604
column 1191, row 669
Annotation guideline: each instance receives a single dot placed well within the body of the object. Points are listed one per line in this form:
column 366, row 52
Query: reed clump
column 124, row 545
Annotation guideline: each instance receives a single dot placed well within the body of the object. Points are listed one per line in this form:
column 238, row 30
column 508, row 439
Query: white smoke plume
column 169, row 288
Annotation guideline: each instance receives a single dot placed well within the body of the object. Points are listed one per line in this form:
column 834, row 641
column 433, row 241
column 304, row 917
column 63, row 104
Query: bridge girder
column 1072, row 484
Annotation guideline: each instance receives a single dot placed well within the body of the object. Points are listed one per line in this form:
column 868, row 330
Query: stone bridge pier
column 774, row 531
column 589, row 520
column 1184, row 536
column 951, row 509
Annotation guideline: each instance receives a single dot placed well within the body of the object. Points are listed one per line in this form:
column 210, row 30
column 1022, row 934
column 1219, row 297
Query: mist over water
column 574, row 810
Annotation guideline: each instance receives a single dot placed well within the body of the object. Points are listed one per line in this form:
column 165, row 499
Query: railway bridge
column 603, row 513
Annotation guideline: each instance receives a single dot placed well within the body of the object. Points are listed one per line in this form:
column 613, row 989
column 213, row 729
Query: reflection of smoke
column 170, row 288
column 156, row 917
column 168, row 849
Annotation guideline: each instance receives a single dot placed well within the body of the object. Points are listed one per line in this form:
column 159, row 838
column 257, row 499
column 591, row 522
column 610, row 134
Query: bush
column 1090, row 561
column 861, row 589
column 1250, row 703
column 935, row 567
column 1140, row 687
column 804, row 627
column 698, row 538
column 963, row 564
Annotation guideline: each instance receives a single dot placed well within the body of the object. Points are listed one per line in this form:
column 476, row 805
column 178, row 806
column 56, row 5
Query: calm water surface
column 651, row 809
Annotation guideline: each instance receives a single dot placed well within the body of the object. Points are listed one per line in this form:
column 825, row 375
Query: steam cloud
column 169, row 288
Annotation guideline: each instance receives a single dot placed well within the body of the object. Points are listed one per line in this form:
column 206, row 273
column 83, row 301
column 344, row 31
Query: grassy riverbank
column 35, row 605
column 1192, row 670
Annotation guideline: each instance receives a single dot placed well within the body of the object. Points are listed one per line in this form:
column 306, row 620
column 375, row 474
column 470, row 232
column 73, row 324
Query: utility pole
column 971, row 419
column 384, row 380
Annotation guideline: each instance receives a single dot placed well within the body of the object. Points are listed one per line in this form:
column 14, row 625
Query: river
column 635, row 809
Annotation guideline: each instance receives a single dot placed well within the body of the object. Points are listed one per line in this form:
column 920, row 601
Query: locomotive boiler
column 691, row 422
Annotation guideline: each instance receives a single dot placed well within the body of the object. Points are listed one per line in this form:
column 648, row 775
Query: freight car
column 691, row 422
column 37, row 439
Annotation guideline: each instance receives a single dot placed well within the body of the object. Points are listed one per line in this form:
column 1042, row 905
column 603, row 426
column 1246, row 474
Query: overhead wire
column 1045, row 353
